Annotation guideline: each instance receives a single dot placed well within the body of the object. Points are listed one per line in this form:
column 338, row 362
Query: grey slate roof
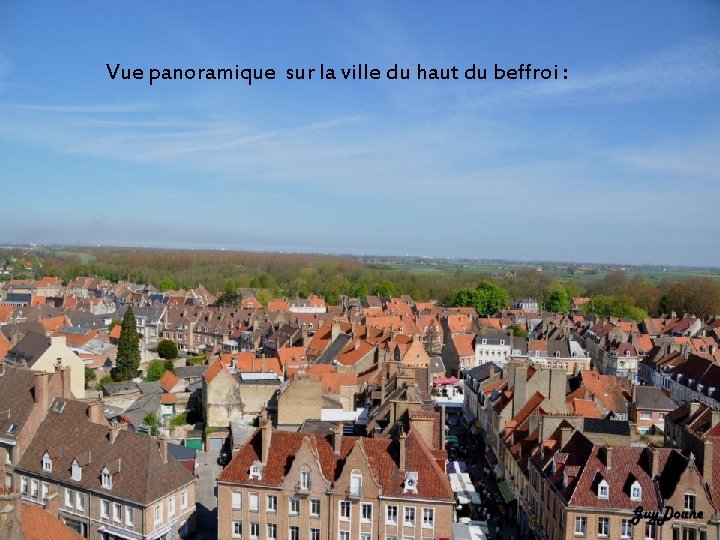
column 29, row 349
column 653, row 398
column 334, row 349
column 611, row 427
column 191, row 372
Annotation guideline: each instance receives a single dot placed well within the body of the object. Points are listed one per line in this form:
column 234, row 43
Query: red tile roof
column 38, row 524
column 168, row 381
column 382, row 454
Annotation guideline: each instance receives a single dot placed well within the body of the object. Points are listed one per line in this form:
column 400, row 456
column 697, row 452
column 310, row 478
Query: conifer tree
column 127, row 360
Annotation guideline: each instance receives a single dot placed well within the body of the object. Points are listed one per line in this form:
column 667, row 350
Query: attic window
column 411, row 482
column 256, row 470
column 603, row 490
column 484, row 341
column 557, row 354
column 635, row 491
column 12, row 430
column 47, row 462
column 106, row 479
column 58, row 406
column 76, row 472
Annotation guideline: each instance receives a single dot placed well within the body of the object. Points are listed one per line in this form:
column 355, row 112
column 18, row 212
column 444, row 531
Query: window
column 314, row 534
column 184, row 499
column 117, row 512
column 105, row 509
column 237, row 499
column 603, row 528
column 626, row 528
column 271, row 531
column 45, row 490
column 391, row 515
column 129, row 516
column 76, row 473
column 158, row 514
column 80, row 501
column 171, row 506
column 47, row 463
column 24, row 485
column 294, row 533
column 34, row 488
column 254, row 502
column 344, row 535
column 344, row 509
column 645, row 415
column 315, row 507
column 649, row 531
column 580, row 526
column 603, row 490
column 271, row 503
column 237, row 529
column 254, row 530
column 367, row 511
column 356, row 484
column 305, row 479
column 294, row 505
column 635, row 491
column 365, row 536
column 409, row 520
column 428, row 517
column 106, row 479
column 690, row 502
column 68, row 497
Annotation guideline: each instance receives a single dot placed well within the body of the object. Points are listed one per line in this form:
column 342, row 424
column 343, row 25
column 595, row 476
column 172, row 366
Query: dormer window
column 635, row 491
column 557, row 354
column 603, row 490
column 256, row 470
column 411, row 482
column 76, row 471
column 106, row 478
column 47, row 463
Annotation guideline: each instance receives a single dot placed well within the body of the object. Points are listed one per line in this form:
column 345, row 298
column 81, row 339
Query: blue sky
column 619, row 163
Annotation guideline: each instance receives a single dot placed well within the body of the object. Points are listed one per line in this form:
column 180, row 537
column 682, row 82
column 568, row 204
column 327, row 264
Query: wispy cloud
column 686, row 70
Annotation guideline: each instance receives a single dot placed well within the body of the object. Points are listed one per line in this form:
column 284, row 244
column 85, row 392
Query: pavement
column 207, row 470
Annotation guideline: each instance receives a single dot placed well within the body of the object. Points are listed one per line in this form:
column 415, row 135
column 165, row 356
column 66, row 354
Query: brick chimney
column 114, row 430
column 334, row 331
column 424, row 424
column 654, row 462
column 565, row 434
column 608, row 457
column 337, row 437
column 42, row 390
column 65, row 381
column 266, row 428
column 96, row 412
column 442, row 427
column 52, row 503
column 708, row 461
column 164, row 448
column 403, row 449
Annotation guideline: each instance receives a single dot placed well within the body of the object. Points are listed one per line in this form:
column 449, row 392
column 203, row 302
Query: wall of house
column 301, row 400
column 60, row 354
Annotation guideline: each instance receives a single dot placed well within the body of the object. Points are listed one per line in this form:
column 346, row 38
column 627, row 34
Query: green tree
column 151, row 421
column 385, row 288
column 127, row 360
column 487, row 298
column 167, row 349
column 90, row 376
column 517, row 331
column 558, row 301
column 157, row 368
column 167, row 284
column 615, row 306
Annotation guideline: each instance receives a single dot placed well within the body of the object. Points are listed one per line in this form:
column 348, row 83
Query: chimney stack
column 52, row 503
column 654, row 463
column 403, row 449
column 96, row 412
column 337, row 437
column 334, row 331
column 608, row 457
column 442, row 427
column 708, row 462
column 66, row 384
column 42, row 390
column 114, row 430
column 565, row 434
column 164, row 448
column 266, row 427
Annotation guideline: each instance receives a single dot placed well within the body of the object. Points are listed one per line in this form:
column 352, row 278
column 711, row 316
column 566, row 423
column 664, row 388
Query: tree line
column 618, row 293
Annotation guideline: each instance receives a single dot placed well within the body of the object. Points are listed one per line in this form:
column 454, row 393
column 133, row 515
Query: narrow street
column 208, row 470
